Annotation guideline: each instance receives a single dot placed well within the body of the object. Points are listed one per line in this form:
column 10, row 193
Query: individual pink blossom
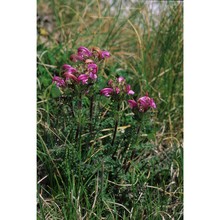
column 68, row 75
column 83, row 78
column 106, row 91
column 92, row 69
column 152, row 104
column 142, row 104
column 105, row 54
column 69, row 68
column 75, row 57
column 132, row 104
column 93, row 76
column 119, row 87
column 58, row 81
column 66, row 66
column 117, row 90
column 84, row 52
column 145, row 103
column 121, row 79
column 128, row 90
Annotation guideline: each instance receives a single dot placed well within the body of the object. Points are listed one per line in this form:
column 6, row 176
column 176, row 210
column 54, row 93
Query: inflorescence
column 85, row 73
column 86, row 68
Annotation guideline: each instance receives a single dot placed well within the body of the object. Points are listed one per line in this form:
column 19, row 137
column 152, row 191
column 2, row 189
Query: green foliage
column 80, row 174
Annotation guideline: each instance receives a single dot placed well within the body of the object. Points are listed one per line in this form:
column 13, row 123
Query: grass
column 77, row 182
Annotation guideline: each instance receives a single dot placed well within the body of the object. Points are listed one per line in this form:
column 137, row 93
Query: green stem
column 138, row 132
column 115, row 129
column 127, row 165
column 91, row 113
column 79, row 117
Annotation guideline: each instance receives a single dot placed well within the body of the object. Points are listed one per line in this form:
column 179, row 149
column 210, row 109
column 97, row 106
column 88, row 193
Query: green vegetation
column 77, row 176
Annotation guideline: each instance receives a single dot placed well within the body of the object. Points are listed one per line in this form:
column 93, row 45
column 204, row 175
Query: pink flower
column 92, row 67
column 119, row 87
column 93, row 76
column 75, row 58
column 69, row 72
column 83, row 78
column 105, row 54
column 132, row 104
column 68, row 75
column 106, row 91
column 143, row 103
column 152, row 104
column 128, row 90
column 84, row 52
column 69, row 68
column 66, row 66
column 58, row 81
column 117, row 90
column 121, row 79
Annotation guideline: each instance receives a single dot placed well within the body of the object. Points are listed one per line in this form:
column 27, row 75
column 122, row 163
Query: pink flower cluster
column 84, row 53
column 117, row 87
column 86, row 70
column 142, row 104
column 58, row 81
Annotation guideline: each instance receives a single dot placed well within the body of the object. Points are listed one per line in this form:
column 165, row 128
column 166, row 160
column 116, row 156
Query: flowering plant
column 117, row 89
column 142, row 104
column 85, row 70
column 81, row 77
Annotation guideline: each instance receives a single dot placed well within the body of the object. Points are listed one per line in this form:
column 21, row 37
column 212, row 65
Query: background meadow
column 145, row 39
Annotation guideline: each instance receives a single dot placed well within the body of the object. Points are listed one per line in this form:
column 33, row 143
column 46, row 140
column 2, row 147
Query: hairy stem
column 127, row 164
column 91, row 113
column 79, row 117
column 115, row 129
